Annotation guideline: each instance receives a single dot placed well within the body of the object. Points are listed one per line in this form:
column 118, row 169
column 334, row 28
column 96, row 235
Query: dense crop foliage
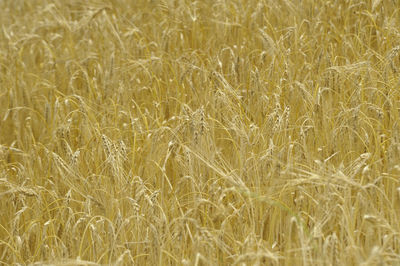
column 212, row 132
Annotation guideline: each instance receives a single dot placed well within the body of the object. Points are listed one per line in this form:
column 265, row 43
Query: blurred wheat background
column 213, row 132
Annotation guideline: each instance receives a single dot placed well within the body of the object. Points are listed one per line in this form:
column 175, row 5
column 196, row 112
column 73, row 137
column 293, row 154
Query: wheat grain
column 199, row 132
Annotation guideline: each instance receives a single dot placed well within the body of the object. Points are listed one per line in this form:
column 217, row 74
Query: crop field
column 212, row 132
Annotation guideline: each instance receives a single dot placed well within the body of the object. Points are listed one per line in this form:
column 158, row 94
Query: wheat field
column 212, row 132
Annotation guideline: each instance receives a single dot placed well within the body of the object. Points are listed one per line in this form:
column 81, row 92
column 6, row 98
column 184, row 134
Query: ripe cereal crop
column 212, row 132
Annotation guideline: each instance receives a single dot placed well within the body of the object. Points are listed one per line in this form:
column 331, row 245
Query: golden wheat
column 215, row 132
